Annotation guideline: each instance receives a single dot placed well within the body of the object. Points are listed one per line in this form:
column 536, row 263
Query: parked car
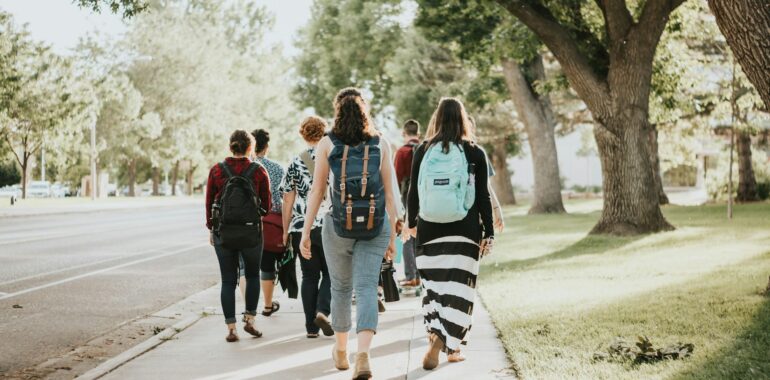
column 10, row 191
column 39, row 189
column 59, row 191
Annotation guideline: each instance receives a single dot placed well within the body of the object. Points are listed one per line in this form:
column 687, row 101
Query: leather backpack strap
column 365, row 173
column 343, row 173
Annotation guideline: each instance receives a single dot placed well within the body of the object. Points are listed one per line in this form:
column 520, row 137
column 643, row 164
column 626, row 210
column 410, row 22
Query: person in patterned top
column 269, row 259
column 316, row 297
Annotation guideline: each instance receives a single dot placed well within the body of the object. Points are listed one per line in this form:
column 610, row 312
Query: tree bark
column 747, row 182
column 655, row 160
column 24, row 174
column 190, row 173
column 501, row 182
column 155, row 181
column 132, row 177
column 746, row 27
column 174, row 177
column 540, row 135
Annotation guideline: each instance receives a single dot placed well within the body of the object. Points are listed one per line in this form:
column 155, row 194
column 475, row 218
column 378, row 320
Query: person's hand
column 399, row 226
column 285, row 239
column 304, row 245
column 390, row 252
column 499, row 222
column 411, row 232
column 485, row 247
column 211, row 238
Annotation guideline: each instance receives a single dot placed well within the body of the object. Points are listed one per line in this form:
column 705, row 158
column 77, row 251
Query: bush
column 9, row 174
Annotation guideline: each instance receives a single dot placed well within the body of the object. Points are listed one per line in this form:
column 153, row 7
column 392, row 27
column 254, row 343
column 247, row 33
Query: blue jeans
column 228, row 269
column 354, row 264
column 316, row 297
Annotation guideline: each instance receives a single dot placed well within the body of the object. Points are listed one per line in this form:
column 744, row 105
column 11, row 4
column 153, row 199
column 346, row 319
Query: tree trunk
column 746, row 27
column 655, row 160
column 190, row 172
column 132, row 177
column 24, row 168
column 540, row 135
column 174, row 177
column 501, row 182
column 155, row 181
column 747, row 183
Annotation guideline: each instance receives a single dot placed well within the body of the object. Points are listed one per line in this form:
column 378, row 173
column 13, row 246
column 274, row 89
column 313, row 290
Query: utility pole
column 93, row 160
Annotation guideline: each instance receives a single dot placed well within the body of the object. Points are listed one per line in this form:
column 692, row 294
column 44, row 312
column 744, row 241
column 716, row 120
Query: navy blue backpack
column 358, row 196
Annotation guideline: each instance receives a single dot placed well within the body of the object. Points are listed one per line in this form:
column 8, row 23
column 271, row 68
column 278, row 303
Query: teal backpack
column 446, row 185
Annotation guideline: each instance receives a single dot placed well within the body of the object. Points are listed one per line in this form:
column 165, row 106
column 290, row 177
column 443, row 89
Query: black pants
column 316, row 298
column 228, row 268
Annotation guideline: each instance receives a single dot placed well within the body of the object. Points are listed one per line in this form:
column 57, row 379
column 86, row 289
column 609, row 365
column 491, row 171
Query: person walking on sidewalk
column 403, row 166
column 274, row 247
column 316, row 285
column 357, row 232
column 237, row 196
column 447, row 200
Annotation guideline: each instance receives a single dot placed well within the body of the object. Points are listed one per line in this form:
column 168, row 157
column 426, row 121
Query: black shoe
column 380, row 306
column 322, row 321
column 273, row 308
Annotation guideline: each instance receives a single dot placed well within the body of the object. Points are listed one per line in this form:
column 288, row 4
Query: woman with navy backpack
column 450, row 214
column 237, row 197
column 357, row 231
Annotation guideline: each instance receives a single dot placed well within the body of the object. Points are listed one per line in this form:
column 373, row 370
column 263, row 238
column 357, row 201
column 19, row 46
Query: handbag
column 389, row 286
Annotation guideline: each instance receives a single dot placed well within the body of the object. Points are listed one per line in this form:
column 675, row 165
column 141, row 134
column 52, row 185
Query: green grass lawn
column 557, row 296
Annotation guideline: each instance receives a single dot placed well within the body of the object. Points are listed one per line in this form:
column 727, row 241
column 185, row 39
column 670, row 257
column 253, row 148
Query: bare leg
column 267, row 292
column 341, row 341
column 242, row 286
column 365, row 340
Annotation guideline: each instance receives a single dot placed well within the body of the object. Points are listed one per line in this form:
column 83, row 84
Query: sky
column 61, row 23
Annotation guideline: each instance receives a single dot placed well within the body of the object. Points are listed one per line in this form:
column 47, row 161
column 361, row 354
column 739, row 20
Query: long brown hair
column 449, row 124
column 352, row 124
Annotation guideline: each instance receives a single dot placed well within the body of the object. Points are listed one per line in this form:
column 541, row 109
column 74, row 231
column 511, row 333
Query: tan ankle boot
column 362, row 371
column 340, row 359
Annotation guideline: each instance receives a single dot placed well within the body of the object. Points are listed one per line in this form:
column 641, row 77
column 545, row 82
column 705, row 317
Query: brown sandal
column 232, row 336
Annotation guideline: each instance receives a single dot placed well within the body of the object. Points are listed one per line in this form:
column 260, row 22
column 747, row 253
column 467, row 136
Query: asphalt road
column 74, row 277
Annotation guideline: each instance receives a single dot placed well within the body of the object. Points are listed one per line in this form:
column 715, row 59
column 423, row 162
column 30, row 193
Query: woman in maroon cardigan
column 241, row 145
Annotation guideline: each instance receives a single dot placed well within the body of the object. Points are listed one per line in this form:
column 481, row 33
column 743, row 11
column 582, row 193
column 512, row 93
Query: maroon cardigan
column 216, row 183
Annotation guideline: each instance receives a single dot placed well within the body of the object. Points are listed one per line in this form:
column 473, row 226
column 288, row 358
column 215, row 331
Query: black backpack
column 240, row 215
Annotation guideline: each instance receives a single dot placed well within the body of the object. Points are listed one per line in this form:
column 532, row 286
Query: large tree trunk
column 24, row 174
column 501, row 182
column 174, row 177
column 155, row 181
column 747, row 183
column 132, row 177
column 540, row 135
column 655, row 159
column 746, row 27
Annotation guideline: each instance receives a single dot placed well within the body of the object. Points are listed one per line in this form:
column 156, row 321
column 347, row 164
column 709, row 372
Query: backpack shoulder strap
column 225, row 169
column 251, row 169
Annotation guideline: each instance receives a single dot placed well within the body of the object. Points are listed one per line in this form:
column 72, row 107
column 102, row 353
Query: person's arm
column 317, row 191
column 388, row 176
column 289, row 189
column 497, row 211
column 482, row 193
column 211, row 192
column 413, row 198
column 263, row 182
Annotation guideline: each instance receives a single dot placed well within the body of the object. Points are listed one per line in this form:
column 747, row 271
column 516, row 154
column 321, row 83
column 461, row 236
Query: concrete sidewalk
column 200, row 351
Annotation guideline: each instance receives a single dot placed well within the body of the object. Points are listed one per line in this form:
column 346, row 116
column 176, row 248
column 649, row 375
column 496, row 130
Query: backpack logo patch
column 441, row 182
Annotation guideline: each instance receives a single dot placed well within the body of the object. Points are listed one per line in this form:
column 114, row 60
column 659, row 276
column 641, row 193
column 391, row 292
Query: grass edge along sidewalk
column 558, row 296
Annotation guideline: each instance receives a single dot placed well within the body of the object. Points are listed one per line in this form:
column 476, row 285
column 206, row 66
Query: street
column 68, row 278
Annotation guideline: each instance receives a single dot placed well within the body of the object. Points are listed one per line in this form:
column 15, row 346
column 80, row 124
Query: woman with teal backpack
column 450, row 214
column 357, row 231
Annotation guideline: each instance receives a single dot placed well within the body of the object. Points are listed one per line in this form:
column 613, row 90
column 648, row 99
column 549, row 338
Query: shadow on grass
column 748, row 357
column 589, row 245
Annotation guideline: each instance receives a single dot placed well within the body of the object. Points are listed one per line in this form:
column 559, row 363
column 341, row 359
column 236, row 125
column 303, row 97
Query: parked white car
column 39, row 189
column 10, row 191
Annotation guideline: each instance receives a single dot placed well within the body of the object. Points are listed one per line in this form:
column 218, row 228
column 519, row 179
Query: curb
column 138, row 350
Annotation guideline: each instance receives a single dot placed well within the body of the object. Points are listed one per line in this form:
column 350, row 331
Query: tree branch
column 591, row 88
column 651, row 24
column 617, row 18
column 10, row 145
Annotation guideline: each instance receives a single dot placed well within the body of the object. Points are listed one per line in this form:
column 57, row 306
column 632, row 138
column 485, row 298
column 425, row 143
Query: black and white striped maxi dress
column 448, row 256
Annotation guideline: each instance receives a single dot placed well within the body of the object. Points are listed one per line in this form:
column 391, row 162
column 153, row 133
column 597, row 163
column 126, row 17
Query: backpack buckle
column 342, row 186
column 349, row 209
column 371, row 209
column 364, row 181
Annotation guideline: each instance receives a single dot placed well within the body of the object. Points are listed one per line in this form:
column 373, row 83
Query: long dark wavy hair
column 449, row 124
column 352, row 124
